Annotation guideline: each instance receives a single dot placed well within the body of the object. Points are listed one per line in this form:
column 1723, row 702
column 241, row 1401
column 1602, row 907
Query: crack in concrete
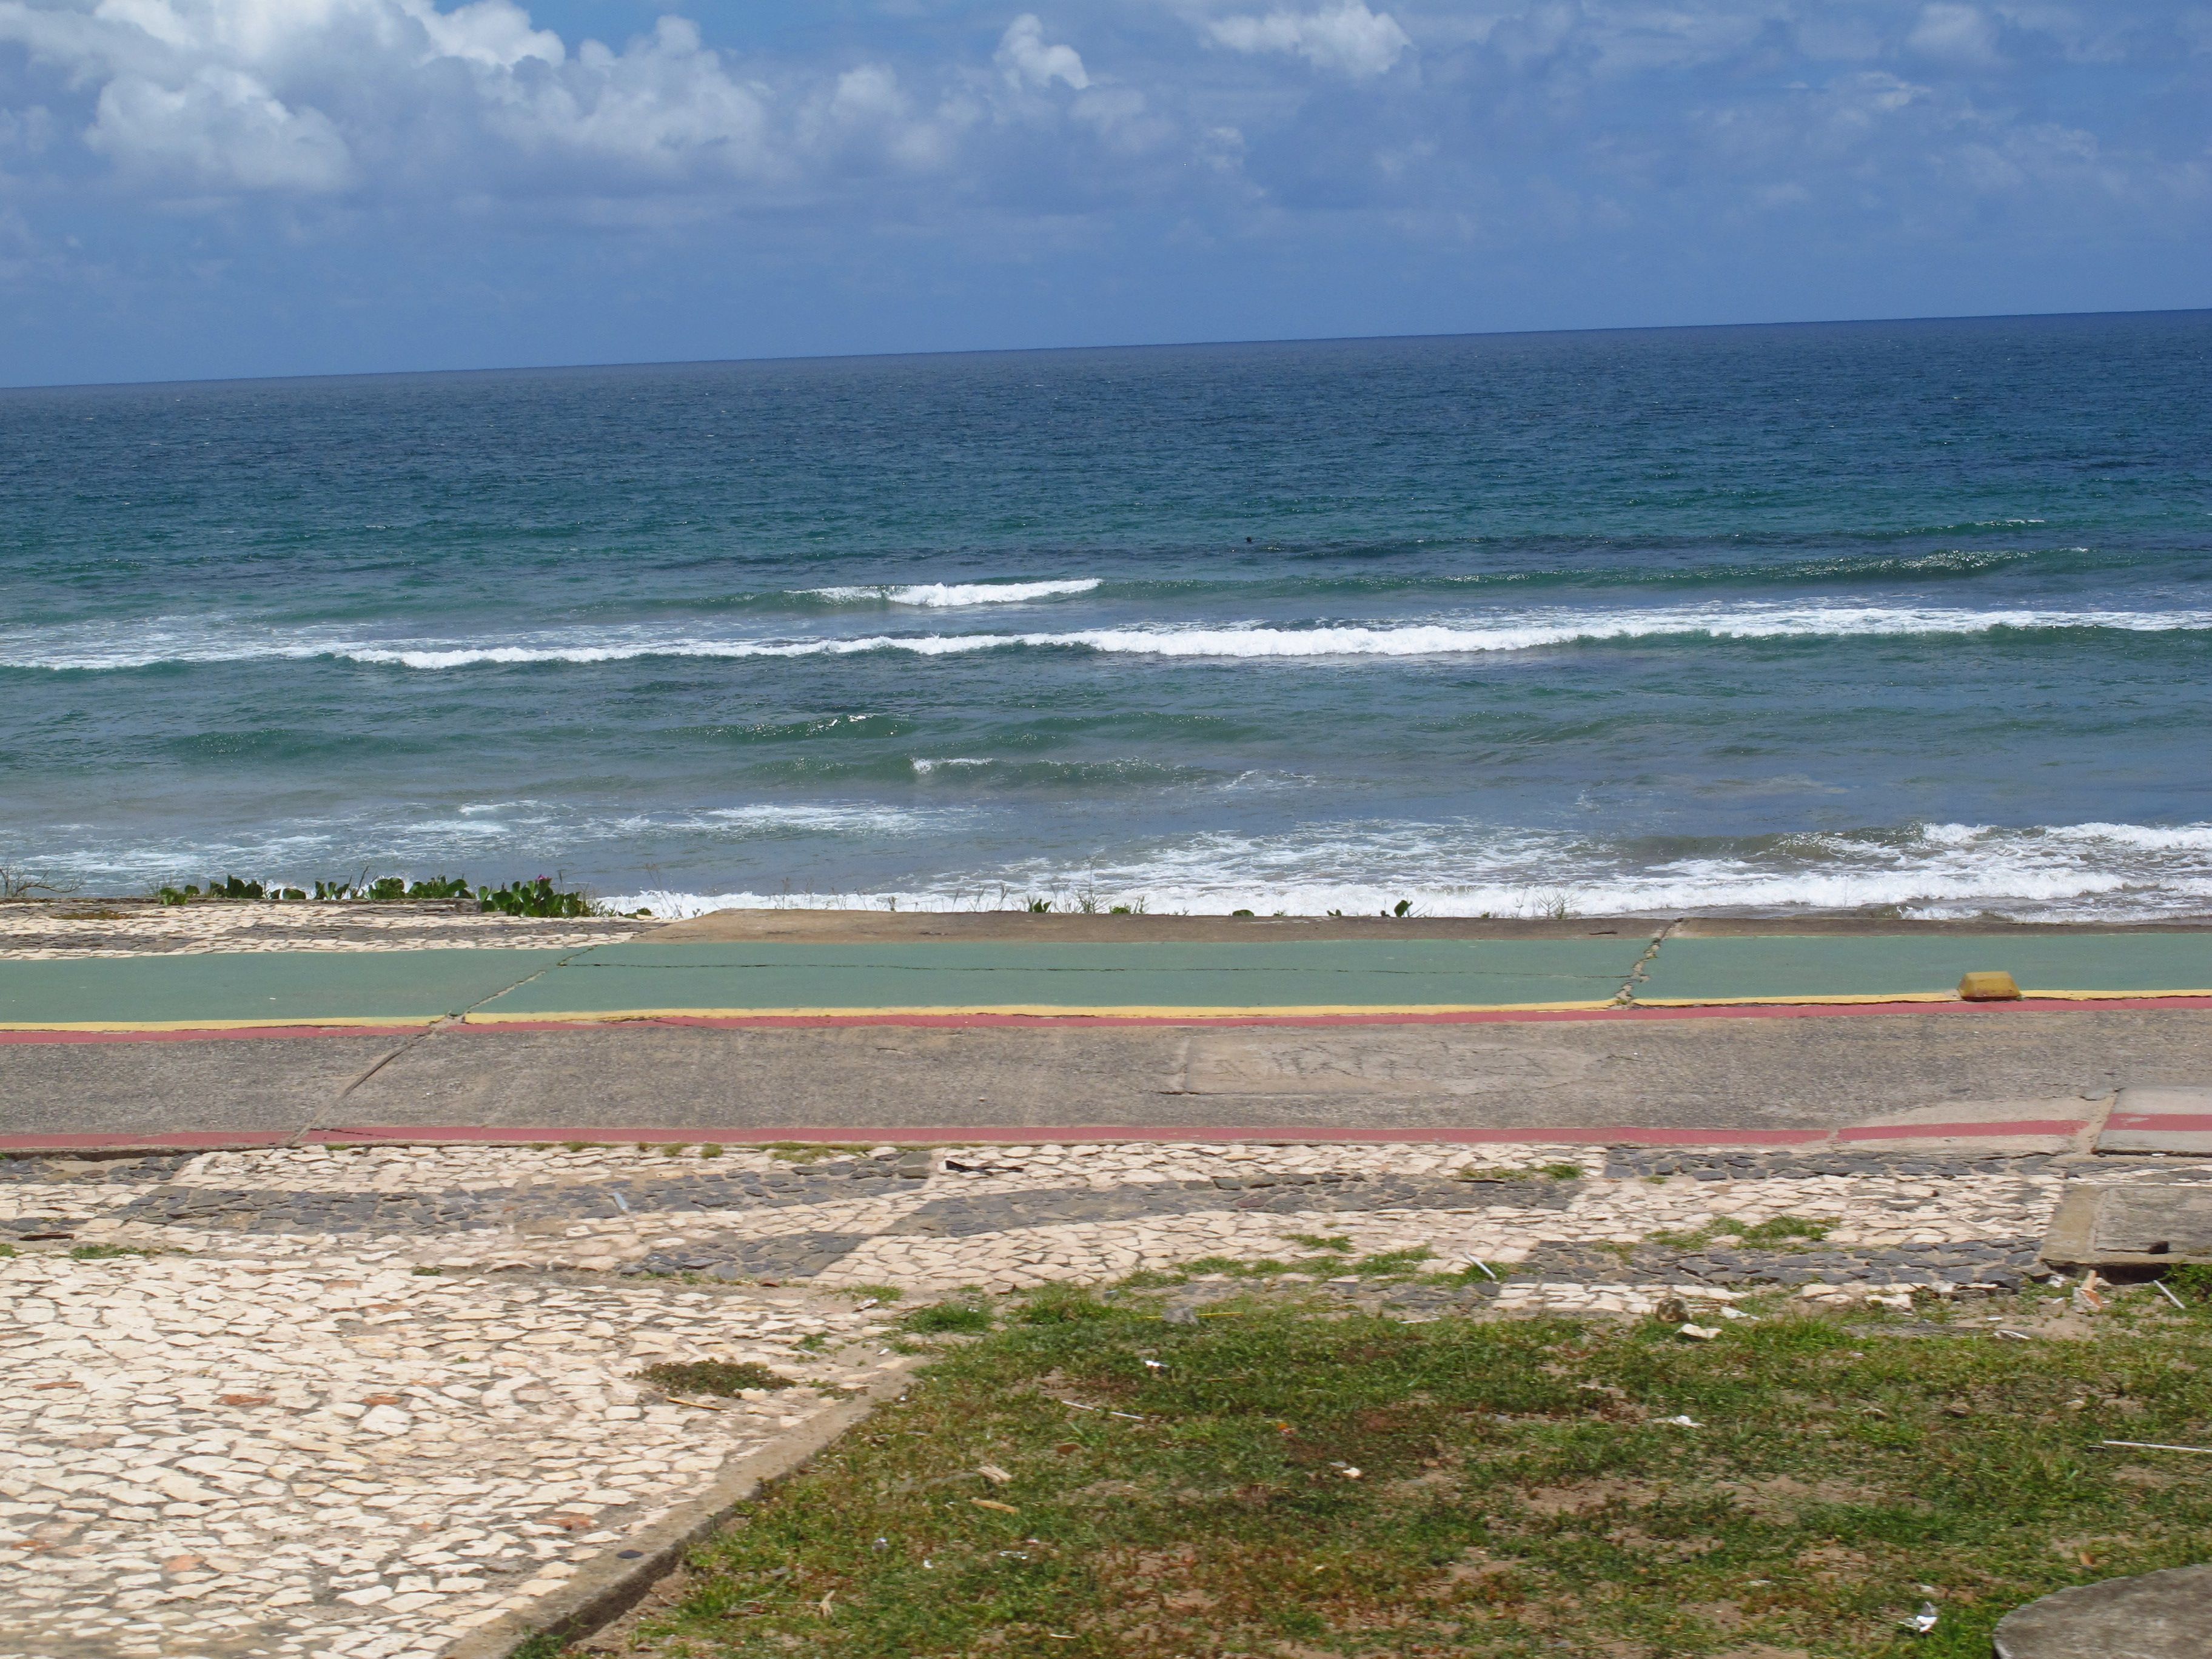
column 315, row 1121
column 1639, row 970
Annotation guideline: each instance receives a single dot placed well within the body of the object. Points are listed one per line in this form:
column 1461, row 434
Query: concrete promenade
column 265, row 1023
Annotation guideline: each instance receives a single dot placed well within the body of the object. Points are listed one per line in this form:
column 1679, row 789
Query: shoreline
column 858, row 924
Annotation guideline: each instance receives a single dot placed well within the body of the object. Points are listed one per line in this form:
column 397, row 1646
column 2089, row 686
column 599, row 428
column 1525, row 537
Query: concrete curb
column 609, row 1586
column 852, row 1134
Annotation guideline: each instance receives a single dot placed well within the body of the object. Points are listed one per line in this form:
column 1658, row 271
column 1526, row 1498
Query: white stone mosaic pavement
column 361, row 1445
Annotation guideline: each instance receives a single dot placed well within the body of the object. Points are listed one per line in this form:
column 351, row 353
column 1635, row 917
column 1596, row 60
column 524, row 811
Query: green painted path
column 258, row 988
column 1127, row 980
column 1890, row 967
column 1334, row 976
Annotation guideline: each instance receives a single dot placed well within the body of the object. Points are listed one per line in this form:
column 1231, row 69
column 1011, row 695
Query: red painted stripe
column 858, row 1134
column 2024, row 1126
column 180, row 1140
column 2175, row 1122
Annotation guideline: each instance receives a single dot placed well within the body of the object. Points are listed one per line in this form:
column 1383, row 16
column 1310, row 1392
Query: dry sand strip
column 365, row 1403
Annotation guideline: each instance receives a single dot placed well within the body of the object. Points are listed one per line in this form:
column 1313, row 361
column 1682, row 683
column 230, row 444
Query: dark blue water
column 1900, row 614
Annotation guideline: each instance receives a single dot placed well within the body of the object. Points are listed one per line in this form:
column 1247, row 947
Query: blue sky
column 218, row 187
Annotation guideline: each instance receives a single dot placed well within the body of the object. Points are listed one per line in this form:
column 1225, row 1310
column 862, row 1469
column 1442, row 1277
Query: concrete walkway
column 783, row 1021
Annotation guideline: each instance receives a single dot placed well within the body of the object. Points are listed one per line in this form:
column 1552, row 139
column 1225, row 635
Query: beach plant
column 533, row 898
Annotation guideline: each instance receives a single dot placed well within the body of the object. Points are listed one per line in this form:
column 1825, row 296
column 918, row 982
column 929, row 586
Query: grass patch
column 109, row 1252
column 2192, row 1285
column 958, row 1317
column 1188, row 1490
column 1782, row 1233
column 802, row 1152
column 1541, row 1172
column 1389, row 1264
column 722, row 1376
column 1320, row 1241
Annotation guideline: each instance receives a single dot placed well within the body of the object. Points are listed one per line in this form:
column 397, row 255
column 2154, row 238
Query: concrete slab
column 2139, row 1224
column 2156, row 1120
column 2159, row 1615
column 1782, row 967
column 1736, row 1074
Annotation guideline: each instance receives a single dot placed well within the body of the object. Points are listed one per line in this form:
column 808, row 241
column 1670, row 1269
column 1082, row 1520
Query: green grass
column 1782, row 1233
column 109, row 1251
column 1518, row 1496
column 960, row 1317
column 711, row 1377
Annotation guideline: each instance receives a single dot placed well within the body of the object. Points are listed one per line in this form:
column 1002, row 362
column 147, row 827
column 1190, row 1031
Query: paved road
column 1736, row 1073
column 519, row 1037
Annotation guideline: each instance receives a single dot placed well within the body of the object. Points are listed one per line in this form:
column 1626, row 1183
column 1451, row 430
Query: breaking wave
column 1522, row 631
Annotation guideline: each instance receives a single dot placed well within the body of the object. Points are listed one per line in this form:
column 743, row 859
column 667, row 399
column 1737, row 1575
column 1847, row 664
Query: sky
column 214, row 188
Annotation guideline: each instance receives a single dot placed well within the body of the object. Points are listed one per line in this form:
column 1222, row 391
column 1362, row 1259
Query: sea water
column 1911, row 615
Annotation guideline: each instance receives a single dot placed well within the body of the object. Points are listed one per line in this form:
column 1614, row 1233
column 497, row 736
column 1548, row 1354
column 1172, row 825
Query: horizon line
column 1122, row 346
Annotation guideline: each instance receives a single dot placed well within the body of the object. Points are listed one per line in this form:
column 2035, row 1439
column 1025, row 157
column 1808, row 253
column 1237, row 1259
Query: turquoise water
column 1908, row 614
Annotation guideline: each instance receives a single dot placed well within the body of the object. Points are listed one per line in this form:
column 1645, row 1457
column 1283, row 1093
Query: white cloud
column 221, row 130
column 1026, row 61
column 1350, row 39
column 1954, row 33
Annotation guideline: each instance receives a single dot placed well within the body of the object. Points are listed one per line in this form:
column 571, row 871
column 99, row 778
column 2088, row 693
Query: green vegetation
column 2191, row 1285
column 1391, row 1263
column 1297, row 1482
column 1546, row 1171
column 538, row 897
column 109, row 1251
column 962, row 1317
column 721, row 1377
column 1782, row 1233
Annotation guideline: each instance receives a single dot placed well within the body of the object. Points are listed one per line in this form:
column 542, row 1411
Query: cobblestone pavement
column 364, row 1400
column 60, row 931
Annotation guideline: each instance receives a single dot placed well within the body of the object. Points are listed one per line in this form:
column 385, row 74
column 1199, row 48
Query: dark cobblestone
column 106, row 1171
column 795, row 1255
column 2004, row 1265
column 1629, row 1163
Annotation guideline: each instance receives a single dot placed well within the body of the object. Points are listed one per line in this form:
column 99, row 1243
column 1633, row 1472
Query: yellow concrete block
column 1988, row 987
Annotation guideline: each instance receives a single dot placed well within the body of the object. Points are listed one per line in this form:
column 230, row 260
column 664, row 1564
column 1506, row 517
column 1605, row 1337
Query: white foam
column 953, row 595
column 2084, row 871
column 1506, row 632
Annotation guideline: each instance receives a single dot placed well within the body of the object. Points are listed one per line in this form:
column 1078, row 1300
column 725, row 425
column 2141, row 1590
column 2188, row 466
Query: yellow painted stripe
column 381, row 1021
column 1047, row 1011
column 1732, row 1002
column 2027, row 992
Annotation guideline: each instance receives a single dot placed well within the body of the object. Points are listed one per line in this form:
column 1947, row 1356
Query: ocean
column 1912, row 617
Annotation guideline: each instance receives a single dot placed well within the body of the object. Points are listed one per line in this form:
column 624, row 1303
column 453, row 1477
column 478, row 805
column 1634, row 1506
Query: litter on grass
column 994, row 1473
column 1683, row 1422
column 2158, row 1285
column 2154, row 1445
column 1924, row 1620
column 1701, row 1332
